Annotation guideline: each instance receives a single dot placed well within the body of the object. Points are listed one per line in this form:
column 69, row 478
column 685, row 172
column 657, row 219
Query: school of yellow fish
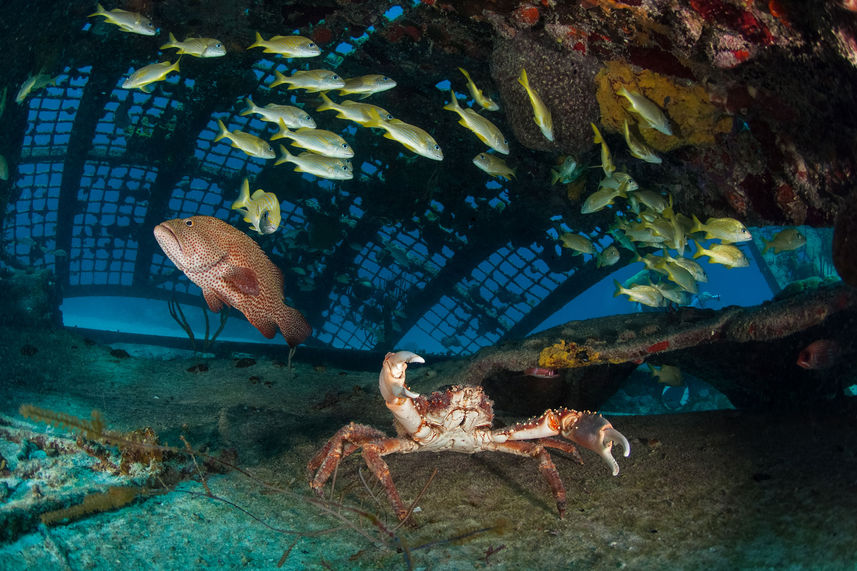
column 646, row 220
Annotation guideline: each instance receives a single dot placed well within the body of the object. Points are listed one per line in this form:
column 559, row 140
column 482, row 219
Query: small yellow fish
column 640, row 149
column 667, row 374
column 353, row 110
column 287, row 46
column 325, row 167
column 366, row 85
column 568, row 171
column 485, row 130
column 144, row 77
column 606, row 158
column 262, row 210
column 673, row 293
column 679, row 276
column 312, row 80
column 644, row 294
column 785, row 240
column 724, row 229
column 607, row 257
column 323, row 142
column 293, row 117
column 650, row 199
column 33, row 83
column 127, row 21
column 541, row 113
column 483, row 100
column 197, row 47
column 580, row 244
column 603, row 197
column 410, row 136
column 250, row 144
column 725, row 254
column 495, row 166
column 691, row 266
column 647, row 110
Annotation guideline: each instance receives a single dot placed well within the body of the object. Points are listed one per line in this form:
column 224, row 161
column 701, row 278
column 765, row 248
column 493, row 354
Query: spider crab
column 459, row 419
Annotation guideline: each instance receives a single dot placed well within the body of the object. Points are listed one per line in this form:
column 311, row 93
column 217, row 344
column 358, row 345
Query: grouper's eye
column 188, row 222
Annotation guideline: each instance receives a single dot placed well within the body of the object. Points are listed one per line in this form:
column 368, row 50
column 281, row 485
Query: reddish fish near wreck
column 231, row 268
column 821, row 354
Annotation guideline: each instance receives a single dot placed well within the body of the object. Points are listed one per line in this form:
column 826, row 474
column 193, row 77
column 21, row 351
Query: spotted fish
column 231, row 269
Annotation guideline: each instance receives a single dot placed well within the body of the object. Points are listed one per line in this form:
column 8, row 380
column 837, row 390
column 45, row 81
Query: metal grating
column 51, row 114
column 29, row 229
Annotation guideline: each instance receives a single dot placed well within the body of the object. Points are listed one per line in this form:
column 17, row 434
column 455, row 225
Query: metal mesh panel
column 29, row 230
column 51, row 114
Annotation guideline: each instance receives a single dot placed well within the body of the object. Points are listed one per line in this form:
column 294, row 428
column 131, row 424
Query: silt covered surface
column 720, row 489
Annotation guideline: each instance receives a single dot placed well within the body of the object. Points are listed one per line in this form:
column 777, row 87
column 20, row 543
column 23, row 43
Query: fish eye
column 334, row 76
column 344, row 145
column 218, row 45
column 437, row 147
column 188, row 222
column 306, row 117
column 312, row 45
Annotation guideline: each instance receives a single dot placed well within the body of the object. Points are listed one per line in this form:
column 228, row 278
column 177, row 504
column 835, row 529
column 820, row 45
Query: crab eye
column 188, row 222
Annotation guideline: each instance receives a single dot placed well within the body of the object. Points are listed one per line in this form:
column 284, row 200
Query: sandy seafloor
column 714, row 490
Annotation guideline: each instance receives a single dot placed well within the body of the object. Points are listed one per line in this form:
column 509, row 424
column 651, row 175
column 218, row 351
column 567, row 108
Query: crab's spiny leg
column 546, row 467
column 372, row 454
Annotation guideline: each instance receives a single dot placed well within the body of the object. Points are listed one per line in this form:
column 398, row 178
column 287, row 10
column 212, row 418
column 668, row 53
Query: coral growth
column 695, row 120
column 569, row 355
column 564, row 81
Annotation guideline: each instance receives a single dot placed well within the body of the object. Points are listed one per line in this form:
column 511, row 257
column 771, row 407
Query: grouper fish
column 231, row 268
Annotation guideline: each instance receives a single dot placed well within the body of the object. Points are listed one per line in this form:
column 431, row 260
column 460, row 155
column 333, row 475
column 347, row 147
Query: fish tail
column 619, row 288
column 258, row 43
column 700, row 251
column 624, row 93
column 522, row 79
column 464, row 72
column 170, row 44
column 767, row 244
column 327, row 104
column 374, row 120
column 251, row 107
column 99, row 10
column 279, row 79
column 223, row 134
column 286, row 158
column 452, row 105
column 243, row 197
column 283, row 133
column 697, row 225
column 175, row 66
column 292, row 325
column 598, row 138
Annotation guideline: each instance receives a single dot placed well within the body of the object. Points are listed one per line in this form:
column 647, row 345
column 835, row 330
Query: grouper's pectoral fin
column 243, row 280
column 266, row 327
column 215, row 304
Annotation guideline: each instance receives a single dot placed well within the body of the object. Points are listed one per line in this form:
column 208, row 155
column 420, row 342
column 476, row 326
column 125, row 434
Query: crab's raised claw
column 392, row 378
column 593, row 431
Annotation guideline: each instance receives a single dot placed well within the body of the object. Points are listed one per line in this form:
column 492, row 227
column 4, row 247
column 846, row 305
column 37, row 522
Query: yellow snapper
column 262, row 210
column 312, row 80
column 144, row 77
column 366, row 85
column 287, row 46
column 323, row 142
column 785, row 240
column 325, row 167
column 483, row 100
column 127, row 21
column 410, row 136
column 33, row 83
column 606, row 159
column 667, row 374
column 293, row 117
column 691, row 266
column 576, row 242
column 673, row 293
column 541, row 113
column 679, row 276
column 725, row 254
column 487, row 132
column 649, row 198
column 604, row 196
column 607, row 257
column 197, row 47
column 647, row 110
column 353, row 110
column 640, row 149
column 645, row 294
column 723, row 229
column 495, row 166
column 250, row 144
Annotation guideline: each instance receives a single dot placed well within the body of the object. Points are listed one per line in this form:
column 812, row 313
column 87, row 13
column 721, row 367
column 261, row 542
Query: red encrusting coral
column 322, row 36
column 526, row 15
column 735, row 18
